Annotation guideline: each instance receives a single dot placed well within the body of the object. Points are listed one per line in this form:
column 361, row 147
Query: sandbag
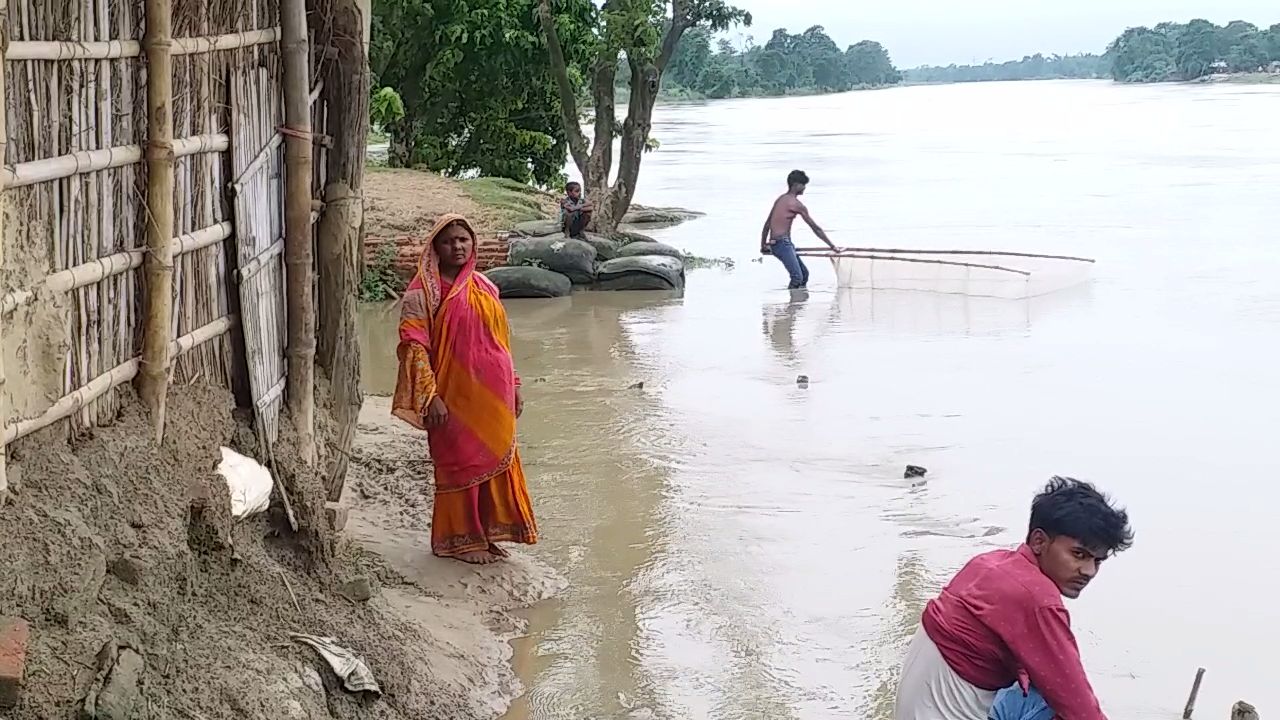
column 642, row 272
column 574, row 259
column 529, row 282
column 636, row 249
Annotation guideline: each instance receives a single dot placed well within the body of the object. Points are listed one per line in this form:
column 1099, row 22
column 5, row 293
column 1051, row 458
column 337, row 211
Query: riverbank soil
column 145, row 600
column 401, row 202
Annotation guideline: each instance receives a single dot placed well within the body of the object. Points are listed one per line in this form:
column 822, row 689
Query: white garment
column 930, row 690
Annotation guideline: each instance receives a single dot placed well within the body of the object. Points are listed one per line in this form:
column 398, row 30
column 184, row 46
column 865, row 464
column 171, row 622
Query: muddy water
column 742, row 547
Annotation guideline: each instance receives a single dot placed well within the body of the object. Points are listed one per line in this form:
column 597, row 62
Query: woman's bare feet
column 498, row 552
column 478, row 557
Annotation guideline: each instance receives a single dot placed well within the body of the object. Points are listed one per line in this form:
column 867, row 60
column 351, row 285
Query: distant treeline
column 1031, row 67
column 809, row 62
column 1172, row 51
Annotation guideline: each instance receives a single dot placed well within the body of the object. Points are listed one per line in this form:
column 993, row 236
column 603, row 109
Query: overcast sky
column 940, row 32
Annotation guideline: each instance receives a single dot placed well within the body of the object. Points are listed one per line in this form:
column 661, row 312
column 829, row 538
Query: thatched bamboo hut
column 170, row 169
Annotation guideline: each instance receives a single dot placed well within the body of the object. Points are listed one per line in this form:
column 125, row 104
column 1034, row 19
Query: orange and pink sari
column 455, row 344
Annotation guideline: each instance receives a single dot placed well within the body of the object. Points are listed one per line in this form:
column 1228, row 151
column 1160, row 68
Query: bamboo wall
column 73, row 182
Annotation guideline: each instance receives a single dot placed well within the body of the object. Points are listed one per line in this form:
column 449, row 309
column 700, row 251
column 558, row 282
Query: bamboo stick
column 88, row 237
column 1195, row 692
column 259, row 161
column 942, row 252
column 85, row 161
column 259, row 261
column 154, row 370
column 4, row 146
column 116, row 49
column 69, row 404
column 106, row 219
column 95, row 271
column 301, row 334
column 858, row 256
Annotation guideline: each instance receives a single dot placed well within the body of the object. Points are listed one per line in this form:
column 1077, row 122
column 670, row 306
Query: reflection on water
column 742, row 546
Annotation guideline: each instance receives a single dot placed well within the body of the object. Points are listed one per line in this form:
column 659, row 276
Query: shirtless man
column 775, row 238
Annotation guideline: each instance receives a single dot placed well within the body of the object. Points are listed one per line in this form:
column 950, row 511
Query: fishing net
column 982, row 274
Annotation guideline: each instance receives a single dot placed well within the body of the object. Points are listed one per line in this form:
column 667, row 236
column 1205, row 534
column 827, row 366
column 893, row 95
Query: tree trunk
column 400, row 143
column 635, row 134
column 346, row 91
column 301, row 344
column 153, row 375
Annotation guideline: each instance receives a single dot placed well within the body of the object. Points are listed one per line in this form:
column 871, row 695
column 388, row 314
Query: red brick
column 14, row 633
column 490, row 252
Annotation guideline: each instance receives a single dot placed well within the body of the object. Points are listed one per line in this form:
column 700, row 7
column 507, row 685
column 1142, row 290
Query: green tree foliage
column 1173, row 51
column 385, row 107
column 1031, row 67
column 589, row 46
column 809, row 62
column 475, row 90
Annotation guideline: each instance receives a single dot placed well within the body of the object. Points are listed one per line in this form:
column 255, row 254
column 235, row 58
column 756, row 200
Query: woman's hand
column 437, row 413
column 519, row 403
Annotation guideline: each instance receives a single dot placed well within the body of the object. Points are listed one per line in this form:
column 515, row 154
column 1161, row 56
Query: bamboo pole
column 996, row 253
column 85, row 161
column 153, row 375
column 71, row 403
column 859, row 256
column 95, row 271
column 301, row 334
column 116, row 49
column 4, row 146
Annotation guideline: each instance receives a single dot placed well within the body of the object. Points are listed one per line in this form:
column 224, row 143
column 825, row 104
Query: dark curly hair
column 1077, row 509
column 797, row 177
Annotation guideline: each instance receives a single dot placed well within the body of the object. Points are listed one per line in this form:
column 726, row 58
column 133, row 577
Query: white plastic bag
column 249, row 483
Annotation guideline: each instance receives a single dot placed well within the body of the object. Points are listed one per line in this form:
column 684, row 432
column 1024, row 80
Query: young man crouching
column 996, row 644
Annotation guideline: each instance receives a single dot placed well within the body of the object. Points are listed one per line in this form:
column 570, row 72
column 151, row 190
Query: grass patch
column 512, row 201
column 697, row 262
column 380, row 281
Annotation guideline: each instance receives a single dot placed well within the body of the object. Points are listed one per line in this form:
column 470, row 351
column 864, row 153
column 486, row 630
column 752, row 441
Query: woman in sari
column 457, row 381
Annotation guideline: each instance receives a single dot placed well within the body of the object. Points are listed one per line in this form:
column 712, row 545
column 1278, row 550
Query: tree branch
column 568, row 103
column 602, row 97
column 635, row 132
column 679, row 23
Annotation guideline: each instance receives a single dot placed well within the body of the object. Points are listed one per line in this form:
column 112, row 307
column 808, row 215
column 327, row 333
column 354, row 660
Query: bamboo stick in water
column 154, row 370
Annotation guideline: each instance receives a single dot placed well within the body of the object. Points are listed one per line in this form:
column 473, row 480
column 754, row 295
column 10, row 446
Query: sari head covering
column 455, row 345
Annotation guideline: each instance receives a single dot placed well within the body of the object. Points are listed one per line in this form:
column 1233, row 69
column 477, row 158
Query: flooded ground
column 741, row 547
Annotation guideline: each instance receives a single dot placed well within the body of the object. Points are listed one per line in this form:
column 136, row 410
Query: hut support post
column 301, row 341
column 153, row 376
column 4, row 143
column 346, row 93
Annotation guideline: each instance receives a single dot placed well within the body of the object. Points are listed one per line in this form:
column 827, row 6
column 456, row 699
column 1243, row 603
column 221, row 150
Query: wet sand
column 739, row 546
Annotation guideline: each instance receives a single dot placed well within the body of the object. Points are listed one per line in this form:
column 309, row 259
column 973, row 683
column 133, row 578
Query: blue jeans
column 785, row 251
column 1011, row 704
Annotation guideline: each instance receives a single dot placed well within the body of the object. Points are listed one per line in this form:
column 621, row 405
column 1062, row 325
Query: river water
column 741, row 547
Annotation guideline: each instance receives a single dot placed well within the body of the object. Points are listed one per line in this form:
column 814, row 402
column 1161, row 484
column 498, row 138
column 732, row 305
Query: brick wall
column 492, row 252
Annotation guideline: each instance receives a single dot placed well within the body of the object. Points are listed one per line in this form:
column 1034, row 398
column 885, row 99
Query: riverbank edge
column 389, row 498
column 402, row 205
